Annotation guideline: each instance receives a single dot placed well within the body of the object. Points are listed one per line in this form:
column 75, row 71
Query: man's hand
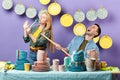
column 64, row 50
column 58, row 46
column 92, row 54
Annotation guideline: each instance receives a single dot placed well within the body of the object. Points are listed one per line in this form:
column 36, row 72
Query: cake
column 77, row 64
column 41, row 66
column 21, row 58
column 43, row 63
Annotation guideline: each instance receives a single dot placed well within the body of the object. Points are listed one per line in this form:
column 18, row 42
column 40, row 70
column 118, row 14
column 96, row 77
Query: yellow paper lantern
column 44, row 2
column 79, row 29
column 66, row 20
column 105, row 42
column 96, row 39
column 54, row 8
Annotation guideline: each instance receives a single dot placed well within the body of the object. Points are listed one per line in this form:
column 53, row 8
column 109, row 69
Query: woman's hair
column 49, row 27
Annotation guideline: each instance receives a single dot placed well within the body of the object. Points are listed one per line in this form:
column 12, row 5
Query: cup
column 98, row 65
column 55, row 65
column 56, row 61
column 61, row 68
column 27, row 66
column 90, row 64
column 41, row 55
column 103, row 64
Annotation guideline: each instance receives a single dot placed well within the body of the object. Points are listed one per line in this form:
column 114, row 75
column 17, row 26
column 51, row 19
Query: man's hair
column 99, row 30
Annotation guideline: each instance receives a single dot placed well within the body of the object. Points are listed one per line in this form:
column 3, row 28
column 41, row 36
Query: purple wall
column 11, row 29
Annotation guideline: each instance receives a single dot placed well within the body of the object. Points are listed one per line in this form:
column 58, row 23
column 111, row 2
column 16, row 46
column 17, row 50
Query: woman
column 33, row 35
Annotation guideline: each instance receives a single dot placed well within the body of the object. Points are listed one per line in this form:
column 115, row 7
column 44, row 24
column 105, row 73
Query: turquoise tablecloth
column 22, row 75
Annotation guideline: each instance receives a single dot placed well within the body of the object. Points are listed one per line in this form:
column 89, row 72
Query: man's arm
column 59, row 47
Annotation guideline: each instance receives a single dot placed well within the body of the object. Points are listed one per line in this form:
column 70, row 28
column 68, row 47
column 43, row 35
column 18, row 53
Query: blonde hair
column 49, row 27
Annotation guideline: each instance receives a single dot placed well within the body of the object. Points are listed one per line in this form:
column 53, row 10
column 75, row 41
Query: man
column 84, row 43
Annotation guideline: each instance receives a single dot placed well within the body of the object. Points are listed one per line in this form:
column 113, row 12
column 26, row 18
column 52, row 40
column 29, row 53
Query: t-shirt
column 82, row 46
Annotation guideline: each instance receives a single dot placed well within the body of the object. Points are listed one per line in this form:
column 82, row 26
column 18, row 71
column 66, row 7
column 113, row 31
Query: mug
column 61, row 68
column 103, row 64
column 55, row 66
column 27, row 66
column 41, row 55
column 90, row 64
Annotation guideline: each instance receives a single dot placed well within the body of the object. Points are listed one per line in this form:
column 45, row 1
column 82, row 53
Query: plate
column 2, row 65
column 79, row 16
column 102, row 13
column 91, row 15
column 79, row 29
column 31, row 12
column 66, row 20
column 19, row 9
column 44, row 2
column 7, row 4
column 105, row 42
column 54, row 8
column 96, row 39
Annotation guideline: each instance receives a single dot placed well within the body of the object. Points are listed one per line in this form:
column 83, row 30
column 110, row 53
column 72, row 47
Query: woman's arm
column 25, row 36
column 42, row 41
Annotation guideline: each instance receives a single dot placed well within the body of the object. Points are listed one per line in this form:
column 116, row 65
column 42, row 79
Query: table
column 52, row 75
column 114, row 72
column 115, row 75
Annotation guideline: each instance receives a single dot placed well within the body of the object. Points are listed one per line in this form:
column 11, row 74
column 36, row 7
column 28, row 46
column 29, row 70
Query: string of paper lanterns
column 66, row 20
column 55, row 9
column 19, row 9
column 31, row 12
column 44, row 2
column 7, row 4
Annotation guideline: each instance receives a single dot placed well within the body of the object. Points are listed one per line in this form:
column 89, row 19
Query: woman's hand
column 28, row 30
column 25, row 25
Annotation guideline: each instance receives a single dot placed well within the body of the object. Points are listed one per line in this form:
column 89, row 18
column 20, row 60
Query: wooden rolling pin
column 55, row 44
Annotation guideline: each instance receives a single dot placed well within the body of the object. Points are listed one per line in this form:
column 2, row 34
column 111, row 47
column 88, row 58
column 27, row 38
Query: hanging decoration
column 44, row 2
column 91, row 15
column 41, row 12
column 19, row 9
column 79, row 29
column 105, row 42
column 79, row 16
column 31, row 12
column 96, row 39
column 7, row 4
column 66, row 20
column 102, row 13
column 54, row 8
